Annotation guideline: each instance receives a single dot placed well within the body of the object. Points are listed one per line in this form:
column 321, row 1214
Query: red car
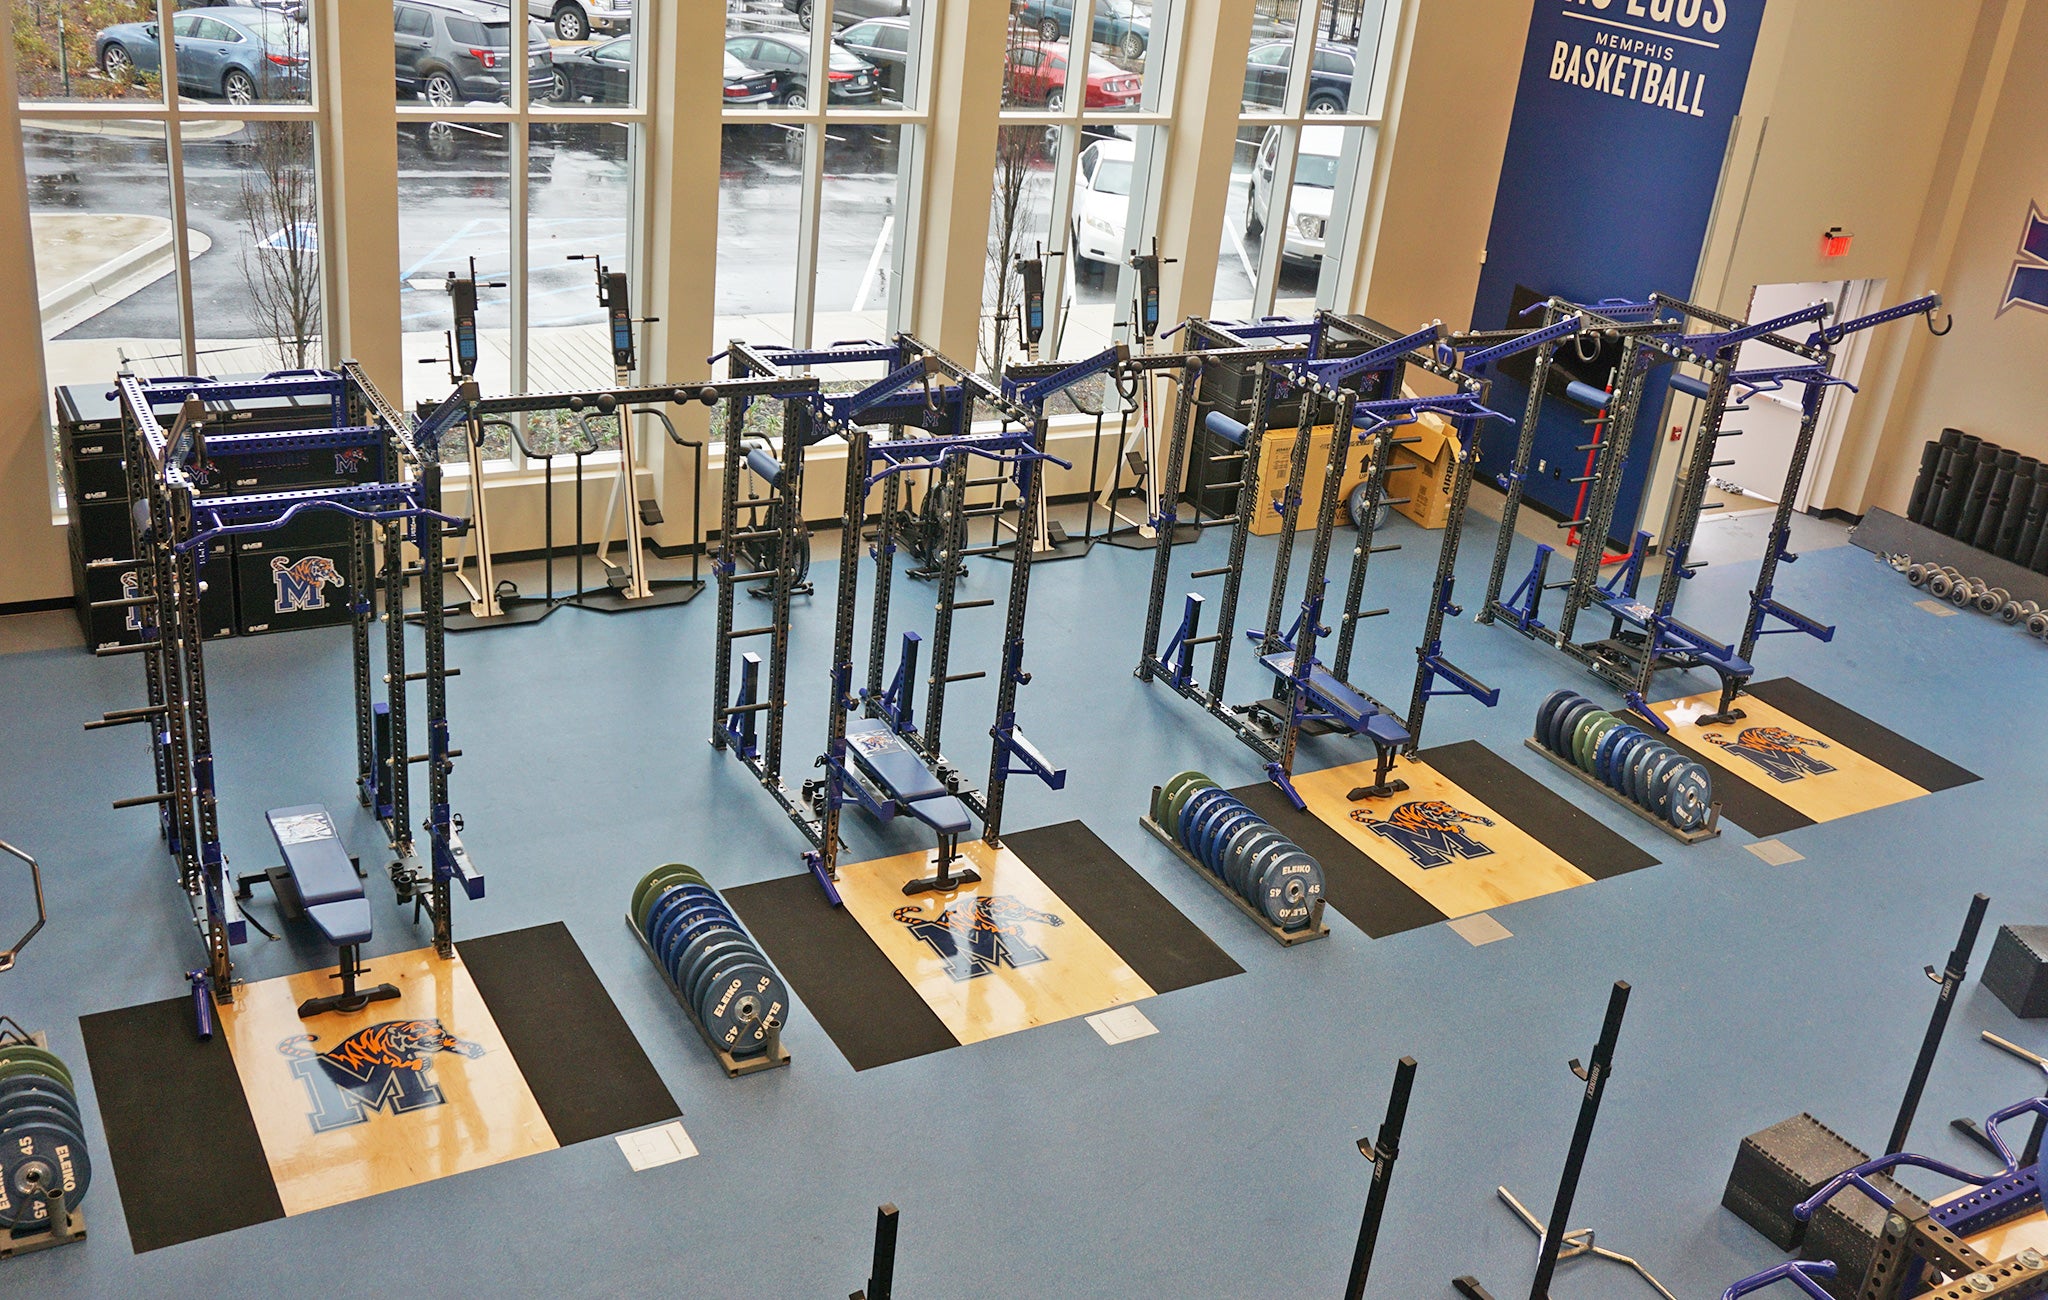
column 1038, row 75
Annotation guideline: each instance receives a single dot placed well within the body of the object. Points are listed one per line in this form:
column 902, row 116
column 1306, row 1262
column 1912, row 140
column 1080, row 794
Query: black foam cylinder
column 1923, row 483
column 2019, row 497
column 1993, row 517
column 2031, row 525
column 2039, row 562
column 1981, row 473
column 1955, row 485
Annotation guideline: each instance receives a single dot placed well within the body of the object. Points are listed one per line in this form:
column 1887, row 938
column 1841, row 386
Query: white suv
column 1315, row 184
column 576, row 20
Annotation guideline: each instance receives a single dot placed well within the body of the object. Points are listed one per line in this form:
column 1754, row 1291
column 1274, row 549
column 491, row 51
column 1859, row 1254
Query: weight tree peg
column 884, row 1275
column 1382, row 1152
column 1950, row 980
column 1595, row 1076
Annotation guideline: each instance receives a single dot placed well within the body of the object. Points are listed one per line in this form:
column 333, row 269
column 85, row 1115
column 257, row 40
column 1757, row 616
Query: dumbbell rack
column 1315, row 929
column 774, row 1057
column 1707, row 832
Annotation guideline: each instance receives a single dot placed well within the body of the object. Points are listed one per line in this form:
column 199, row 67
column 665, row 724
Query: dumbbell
column 1941, row 581
column 2018, row 611
column 2037, row 625
column 1990, row 600
column 1919, row 572
column 1964, row 592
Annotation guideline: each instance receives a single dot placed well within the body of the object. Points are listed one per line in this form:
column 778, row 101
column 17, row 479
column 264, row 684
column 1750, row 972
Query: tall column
column 679, row 195
column 34, row 566
column 359, row 173
column 1194, row 189
column 966, row 77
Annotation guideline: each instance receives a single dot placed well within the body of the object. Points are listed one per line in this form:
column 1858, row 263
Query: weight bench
column 320, row 880
column 1336, row 702
column 907, row 785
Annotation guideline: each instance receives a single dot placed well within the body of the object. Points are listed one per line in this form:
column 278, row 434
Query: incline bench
column 1336, row 703
column 319, row 878
column 909, row 786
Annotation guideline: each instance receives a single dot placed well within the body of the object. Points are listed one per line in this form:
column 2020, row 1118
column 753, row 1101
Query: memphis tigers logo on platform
column 387, row 1067
column 302, row 584
column 1429, row 831
column 976, row 937
column 1775, row 750
column 2028, row 285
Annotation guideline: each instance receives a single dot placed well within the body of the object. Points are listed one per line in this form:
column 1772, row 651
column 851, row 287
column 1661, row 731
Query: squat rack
column 1647, row 637
column 173, row 526
column 1364, row 391
column 926, row 403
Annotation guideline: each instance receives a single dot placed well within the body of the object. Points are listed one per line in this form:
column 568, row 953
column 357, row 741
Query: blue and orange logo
column 387, row 1067
column 1431, row 832
column 1777, row 751
column 302, row 584
column 974, row 937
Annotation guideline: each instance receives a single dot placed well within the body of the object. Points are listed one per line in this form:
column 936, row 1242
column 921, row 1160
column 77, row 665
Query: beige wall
column 33, row 562
column 1451, row 97
column 1989, row 375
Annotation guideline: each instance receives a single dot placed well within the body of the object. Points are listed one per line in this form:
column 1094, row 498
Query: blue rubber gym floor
column 1215, row 1158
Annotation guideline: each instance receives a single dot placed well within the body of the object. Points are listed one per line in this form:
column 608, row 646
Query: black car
column 787, row 60
column 1329, row 78
column 454, row 51
column 602, row 74
column 884, row 42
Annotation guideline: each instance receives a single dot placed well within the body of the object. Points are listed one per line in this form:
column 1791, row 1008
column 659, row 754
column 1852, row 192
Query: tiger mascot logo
column 974, row 937
column 1777, row 751
column 387, row 1067
column 1430, row 831
column 302, row 584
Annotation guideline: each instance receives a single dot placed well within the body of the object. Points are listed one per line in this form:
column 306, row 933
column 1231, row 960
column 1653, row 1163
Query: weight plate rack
column 699, row 946
column 45, row 1166
column 1628, row 764
column 1254, row 858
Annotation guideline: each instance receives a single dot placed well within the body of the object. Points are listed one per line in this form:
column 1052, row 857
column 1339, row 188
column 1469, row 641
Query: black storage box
column 1847, row 1230
column 2018, row 969
column 100, row 529
column 1780, row 1167
column 225, row 473
column 295, row 576
column 94, row 480
column 99, row 580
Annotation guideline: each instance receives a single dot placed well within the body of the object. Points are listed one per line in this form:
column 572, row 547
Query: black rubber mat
column 1167, row 950
column 1887, row 748
column 1553, row 821
column 187, row 1160
column 587, row 1072
column 860, row 1000
column 1372, row 899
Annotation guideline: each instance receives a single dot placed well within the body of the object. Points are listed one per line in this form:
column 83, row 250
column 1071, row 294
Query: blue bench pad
column 314, row 854
column 1327, row 690
column 945, row 813
column 344, row 922
column 894, row 765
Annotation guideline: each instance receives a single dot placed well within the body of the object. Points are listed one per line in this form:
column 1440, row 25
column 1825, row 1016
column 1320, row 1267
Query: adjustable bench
column 909, row 786
column 322, row 881
column 1336, row 702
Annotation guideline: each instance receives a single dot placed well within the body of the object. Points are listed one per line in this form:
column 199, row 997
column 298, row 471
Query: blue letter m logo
column 2028, row 286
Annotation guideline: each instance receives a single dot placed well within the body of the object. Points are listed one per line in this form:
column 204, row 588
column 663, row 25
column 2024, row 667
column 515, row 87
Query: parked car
column 575, row 20
column 602, row 74
column 744, row 86
column 1038, row 75
column 240, row 53
column 884, row 42
column 1329, row 78
column 1102, row 203
column 453, row 51
column 1308, row 204
column 1120, row 24
column 847, row 12
column 787, row 60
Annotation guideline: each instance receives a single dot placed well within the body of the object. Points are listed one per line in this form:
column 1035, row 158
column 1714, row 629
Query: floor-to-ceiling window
column 1086, row 98
column 1314, row 90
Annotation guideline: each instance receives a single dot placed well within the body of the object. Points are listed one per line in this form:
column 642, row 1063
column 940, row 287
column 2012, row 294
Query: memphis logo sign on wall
column 2028, row 285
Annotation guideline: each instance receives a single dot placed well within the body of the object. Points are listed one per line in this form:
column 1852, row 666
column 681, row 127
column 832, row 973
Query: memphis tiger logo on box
column 1633, row 62
column 301, row 585
column 388, row 1068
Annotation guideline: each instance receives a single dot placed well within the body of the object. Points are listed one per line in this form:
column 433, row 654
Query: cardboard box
column 1275, row 453
column 1427, row 487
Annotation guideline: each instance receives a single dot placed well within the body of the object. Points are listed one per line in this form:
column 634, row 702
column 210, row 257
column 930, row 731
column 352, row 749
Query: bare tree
column 281, row 257
column 1009, row 219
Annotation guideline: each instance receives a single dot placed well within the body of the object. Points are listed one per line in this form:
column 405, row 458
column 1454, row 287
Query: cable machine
column 1645, row 637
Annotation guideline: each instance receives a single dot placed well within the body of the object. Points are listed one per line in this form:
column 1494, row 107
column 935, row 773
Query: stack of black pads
column 1984, row 495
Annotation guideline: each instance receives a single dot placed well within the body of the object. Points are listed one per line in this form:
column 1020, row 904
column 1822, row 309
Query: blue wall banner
column 1621, row 122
